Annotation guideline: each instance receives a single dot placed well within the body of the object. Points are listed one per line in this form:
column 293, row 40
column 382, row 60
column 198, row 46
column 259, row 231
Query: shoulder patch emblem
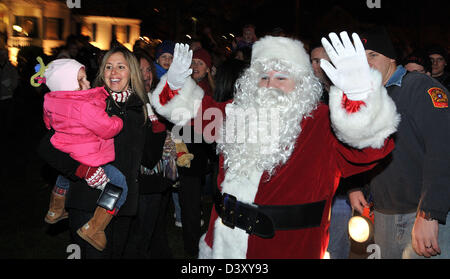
column 438, row 97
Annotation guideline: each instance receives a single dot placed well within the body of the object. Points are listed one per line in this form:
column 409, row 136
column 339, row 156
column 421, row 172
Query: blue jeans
column 393, row 236
column 341, row 212
column 115, row 177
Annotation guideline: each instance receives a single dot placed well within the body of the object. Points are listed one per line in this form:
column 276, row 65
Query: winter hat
column 164, row 47
column 202, row 54
column 62, row 75
column 281, row 48
column 438, row 50
column 379, row 41
column 419, row 59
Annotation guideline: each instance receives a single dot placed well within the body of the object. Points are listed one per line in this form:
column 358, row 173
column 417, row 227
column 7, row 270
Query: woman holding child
column 135, row 145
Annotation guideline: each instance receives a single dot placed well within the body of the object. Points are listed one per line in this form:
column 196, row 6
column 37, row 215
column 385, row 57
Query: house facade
column 47, row 24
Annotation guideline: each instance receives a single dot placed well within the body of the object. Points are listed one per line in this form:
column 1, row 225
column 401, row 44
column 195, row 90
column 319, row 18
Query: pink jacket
column 82, row 127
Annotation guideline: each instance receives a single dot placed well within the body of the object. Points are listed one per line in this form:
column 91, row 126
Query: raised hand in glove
column 95, row 176
column 183, row 156
column 179, row 70
column 351, row 71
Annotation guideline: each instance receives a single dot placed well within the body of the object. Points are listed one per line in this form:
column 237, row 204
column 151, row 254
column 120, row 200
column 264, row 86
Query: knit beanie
column 202, row 54
column 164, row 47
column 418, row 58
column 62, row 75
column 379, row 41
column 438, row 50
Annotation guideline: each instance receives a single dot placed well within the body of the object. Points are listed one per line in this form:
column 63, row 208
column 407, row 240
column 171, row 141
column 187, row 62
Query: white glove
column 179, row 70
column 351, row 73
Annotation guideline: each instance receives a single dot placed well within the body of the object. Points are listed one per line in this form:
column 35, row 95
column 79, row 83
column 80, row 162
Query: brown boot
column 56, row 211
column 94, row 230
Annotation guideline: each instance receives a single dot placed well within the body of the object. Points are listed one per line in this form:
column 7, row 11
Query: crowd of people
column 120, row 163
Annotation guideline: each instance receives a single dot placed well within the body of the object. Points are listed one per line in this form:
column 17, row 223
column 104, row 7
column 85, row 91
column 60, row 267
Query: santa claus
column 276, row 183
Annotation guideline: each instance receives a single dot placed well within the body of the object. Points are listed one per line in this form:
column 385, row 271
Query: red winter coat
column 82, row 127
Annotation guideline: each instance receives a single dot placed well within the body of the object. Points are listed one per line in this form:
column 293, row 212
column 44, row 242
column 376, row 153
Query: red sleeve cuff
column 350, row 105
column 82, row 171
column 167, row 94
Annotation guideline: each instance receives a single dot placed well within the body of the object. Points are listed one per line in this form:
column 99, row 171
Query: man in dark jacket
column 438, row 59
column 410, row 188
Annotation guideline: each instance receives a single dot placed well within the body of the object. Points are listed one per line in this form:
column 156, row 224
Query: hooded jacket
column 82, row 127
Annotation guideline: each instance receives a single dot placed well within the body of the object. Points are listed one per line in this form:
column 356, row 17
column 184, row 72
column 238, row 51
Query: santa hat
column 62, row 75
column 281, row 48
column 203, row 55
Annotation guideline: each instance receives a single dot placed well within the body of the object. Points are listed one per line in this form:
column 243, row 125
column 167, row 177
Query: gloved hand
column 179, row 70
column 157, row 127
column 351, row 72
column 95, row 176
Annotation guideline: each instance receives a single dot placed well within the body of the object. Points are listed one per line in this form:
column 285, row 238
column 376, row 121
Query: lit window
column 122, row 33
column 26, row 26
column 53, row 28
column 90, row 30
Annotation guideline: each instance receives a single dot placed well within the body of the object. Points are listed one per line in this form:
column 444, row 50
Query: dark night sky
column 421, row 22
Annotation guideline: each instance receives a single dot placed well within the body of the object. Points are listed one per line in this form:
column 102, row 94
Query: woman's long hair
column 226, row 77
column 136, row 82
column 141, row 54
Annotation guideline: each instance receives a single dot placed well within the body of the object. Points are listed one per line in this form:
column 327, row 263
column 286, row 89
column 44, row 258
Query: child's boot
column 56, row 211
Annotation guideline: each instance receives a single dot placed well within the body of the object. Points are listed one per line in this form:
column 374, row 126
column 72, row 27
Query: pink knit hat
column 62, row 75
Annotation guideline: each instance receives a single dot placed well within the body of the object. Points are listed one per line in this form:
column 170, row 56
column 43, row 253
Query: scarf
column 120, row 97
column 160, row 71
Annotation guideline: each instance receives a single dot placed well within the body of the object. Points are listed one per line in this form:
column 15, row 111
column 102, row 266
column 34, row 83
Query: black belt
column 264, row 220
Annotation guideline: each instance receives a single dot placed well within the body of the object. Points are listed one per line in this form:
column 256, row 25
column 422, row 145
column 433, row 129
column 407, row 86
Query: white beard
column 268, row 125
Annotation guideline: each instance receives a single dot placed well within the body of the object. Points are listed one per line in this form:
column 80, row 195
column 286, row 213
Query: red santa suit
column 310, row 175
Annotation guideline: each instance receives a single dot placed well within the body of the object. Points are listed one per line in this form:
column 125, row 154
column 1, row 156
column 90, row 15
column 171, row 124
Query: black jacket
column 416, row 174
column 136, row 144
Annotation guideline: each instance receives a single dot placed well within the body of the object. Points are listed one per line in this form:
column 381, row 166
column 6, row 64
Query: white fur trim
column 281, row 48
column 372, row 124
column 184, row 106
column 205, row 252
column 232, row 243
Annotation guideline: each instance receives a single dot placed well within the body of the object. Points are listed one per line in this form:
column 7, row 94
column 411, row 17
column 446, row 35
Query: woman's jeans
column 114, row 175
